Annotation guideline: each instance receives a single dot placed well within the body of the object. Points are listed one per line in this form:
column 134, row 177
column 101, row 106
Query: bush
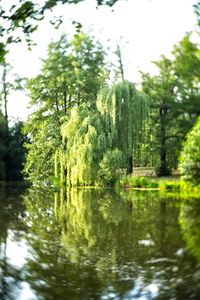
column 110, row 166
column 190, row 156
column 136, row 182
column 171, row 186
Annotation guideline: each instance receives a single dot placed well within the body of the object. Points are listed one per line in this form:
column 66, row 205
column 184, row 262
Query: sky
column 145, row 29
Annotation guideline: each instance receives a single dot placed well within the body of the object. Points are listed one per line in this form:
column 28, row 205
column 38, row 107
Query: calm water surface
column 98, row 244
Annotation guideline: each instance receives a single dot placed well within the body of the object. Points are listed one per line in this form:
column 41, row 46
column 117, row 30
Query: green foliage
column 82, row 226
column 190, row 156
column 174, row 103
column 179, row 189
column 26, row 16
column 71, row 76
column 187, row 62
column 84, row 141
column 189, row 191
column 163, row 110
column 84, row 132
column 16, row 152
column 12, row 151
column 170, row 186
column 126, row 110
column 44, row 139
column 111, row 166
column 98, row 144
column 197, row 10
column 136, row 182
column 190, row 222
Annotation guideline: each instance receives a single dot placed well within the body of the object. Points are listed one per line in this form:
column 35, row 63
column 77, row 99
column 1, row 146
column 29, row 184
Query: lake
column 98, row 244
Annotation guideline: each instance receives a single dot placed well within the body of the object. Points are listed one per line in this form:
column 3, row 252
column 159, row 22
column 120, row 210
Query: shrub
column 170, row 186
column 110, row 166
column 190, row 156
column 136, row 182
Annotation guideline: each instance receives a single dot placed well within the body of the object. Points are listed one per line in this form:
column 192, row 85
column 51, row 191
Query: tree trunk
column 163, row 169
column 65, row 98
column 5, row 99
column 121, row 67
column 5, row 93
column 130, row 165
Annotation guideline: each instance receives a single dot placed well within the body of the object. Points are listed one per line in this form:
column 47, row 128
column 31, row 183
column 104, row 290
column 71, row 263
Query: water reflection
column 100, row 244
column 190, row 225
column 11, row 243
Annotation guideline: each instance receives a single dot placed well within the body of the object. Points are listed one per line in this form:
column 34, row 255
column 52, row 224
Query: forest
column 89, row 124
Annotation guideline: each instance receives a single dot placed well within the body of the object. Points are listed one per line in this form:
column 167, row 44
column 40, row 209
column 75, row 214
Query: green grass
column 182, row 189
column 170, row 186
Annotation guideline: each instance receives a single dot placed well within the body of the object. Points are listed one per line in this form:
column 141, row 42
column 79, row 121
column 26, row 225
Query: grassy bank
column 169, row 185
column 132, row 181
column 180, row 188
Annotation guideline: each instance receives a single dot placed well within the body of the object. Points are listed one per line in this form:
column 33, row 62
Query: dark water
column 87, row 244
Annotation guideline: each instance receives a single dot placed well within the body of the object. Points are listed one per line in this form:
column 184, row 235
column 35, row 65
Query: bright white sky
column 149, row 28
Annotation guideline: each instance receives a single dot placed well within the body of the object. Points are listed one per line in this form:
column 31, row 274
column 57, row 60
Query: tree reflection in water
column 99, row 244
column 190, row 225
column 11, row 229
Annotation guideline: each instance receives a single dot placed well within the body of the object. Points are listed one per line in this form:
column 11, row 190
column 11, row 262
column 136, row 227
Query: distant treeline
column 12, row 151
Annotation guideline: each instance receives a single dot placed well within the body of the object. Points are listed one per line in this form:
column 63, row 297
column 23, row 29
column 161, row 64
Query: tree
column 110, row 166
column 197, row 11
column 12, row 151
column 11, row 166
column 127, row 110
column 190, row 156
column 175, row 101
column 6, row 86
column 120, row 62
column 186, row 67
column 4, row 93
column 16, row 152
column 25, row 16
column 163, row 108
column 99, row 143
column 84, row 141
column 71, row 76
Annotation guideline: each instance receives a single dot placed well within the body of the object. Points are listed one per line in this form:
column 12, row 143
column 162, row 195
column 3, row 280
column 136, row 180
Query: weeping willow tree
column 98, row 144
column 84, row 142
column 127, row 111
